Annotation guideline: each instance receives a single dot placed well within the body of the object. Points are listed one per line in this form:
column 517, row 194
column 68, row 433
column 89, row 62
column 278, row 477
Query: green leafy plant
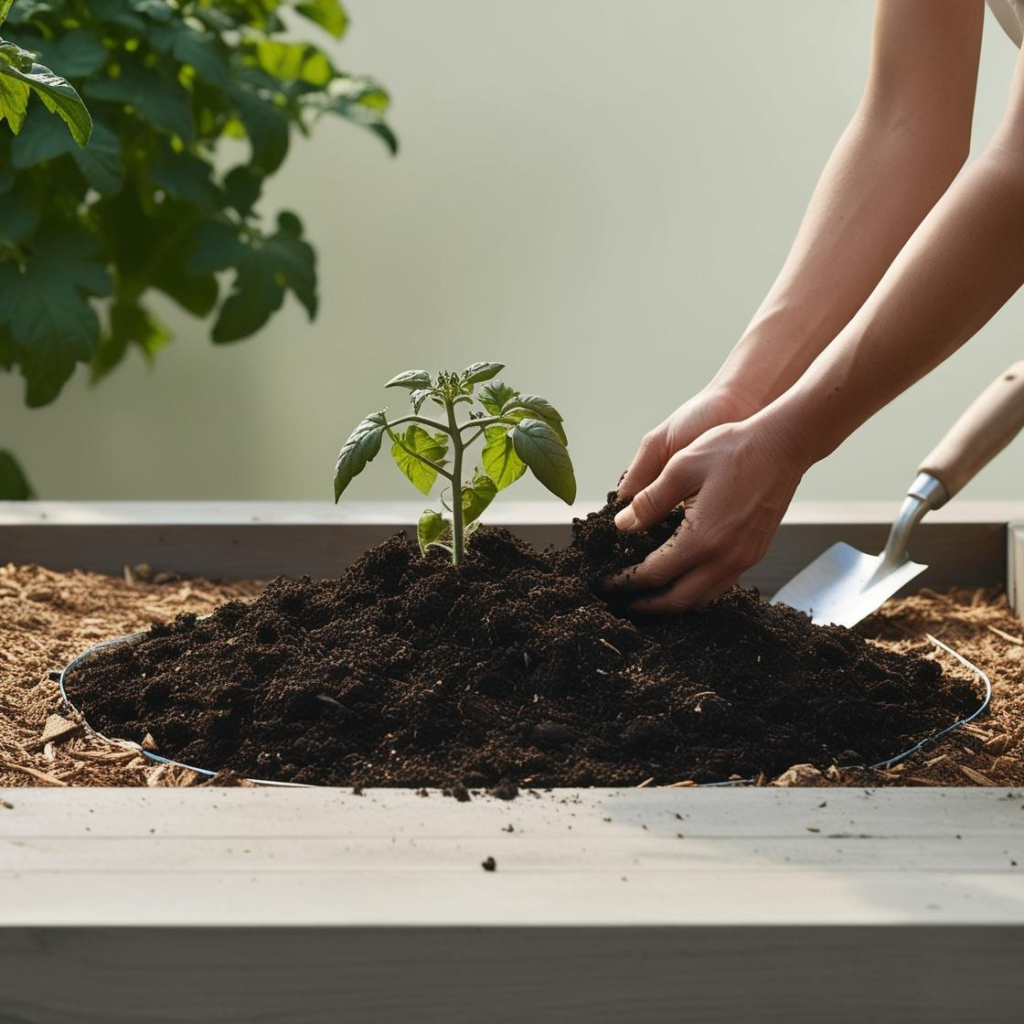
column 518, row 432
column 194, row 104
column 21, row 77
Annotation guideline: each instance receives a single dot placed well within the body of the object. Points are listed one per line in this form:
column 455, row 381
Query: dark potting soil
column 508, row 670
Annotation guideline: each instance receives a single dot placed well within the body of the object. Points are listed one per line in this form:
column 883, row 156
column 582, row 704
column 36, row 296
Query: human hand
column 736, row 482
column 709, row 408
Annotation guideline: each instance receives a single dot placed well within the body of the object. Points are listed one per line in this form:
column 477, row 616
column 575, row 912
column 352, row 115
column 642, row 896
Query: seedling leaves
column 477, row 496
column 479, row 372
column 535, row 407
column 495, row 396
column 358, row 450
column 499, row 458
column 542, row 450
column 415, row 441
column 412, row 379
column 430, row 528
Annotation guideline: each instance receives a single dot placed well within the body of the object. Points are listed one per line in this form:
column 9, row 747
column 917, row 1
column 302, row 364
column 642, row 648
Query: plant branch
column 443, row 427
column 489, row 422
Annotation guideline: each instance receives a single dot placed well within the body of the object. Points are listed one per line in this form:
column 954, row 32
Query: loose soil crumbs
column 509, row 670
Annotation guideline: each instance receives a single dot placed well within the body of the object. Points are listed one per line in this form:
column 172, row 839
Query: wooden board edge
column 1015, row 567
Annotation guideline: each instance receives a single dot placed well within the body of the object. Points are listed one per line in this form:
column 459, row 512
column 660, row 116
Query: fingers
column 648, row 462
column 695, row 589
column 654, row 502
column 681, row 553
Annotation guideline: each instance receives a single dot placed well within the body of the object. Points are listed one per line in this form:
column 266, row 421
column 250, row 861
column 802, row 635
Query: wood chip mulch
column 47, row 617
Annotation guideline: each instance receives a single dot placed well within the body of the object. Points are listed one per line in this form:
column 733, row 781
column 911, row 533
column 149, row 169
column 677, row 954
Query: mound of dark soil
column 511, row 668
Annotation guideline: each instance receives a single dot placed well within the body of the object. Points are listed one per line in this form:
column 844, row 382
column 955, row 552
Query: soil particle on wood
column 511, row 669
column 490, row 864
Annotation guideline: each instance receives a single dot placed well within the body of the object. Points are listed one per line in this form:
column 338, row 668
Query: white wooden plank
column 1015, row 567
column 471, row 897
column 390, row 858
column 387, row 813
column 516, row 853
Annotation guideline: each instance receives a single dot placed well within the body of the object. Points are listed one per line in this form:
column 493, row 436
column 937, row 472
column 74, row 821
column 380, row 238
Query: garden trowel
column 844, row 585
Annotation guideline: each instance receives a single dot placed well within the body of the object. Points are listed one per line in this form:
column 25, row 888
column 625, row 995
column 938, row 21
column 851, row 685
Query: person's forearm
column 876, row 189
column 899, row 154
column 961, row 266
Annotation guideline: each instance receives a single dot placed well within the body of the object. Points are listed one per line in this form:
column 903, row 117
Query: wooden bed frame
column 721, row 905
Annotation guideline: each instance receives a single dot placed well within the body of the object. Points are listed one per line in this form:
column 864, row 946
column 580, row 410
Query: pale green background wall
column 596, row 192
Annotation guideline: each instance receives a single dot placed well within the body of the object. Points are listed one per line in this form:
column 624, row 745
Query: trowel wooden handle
column 988, row 425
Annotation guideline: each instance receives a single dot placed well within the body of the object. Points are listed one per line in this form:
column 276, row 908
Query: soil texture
column 510, row 670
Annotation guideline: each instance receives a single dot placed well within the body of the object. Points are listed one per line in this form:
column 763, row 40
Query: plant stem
column 458, row 538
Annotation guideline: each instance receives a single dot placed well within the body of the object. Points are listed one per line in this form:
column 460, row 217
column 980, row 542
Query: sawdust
column 981, row 626
column 48, row 617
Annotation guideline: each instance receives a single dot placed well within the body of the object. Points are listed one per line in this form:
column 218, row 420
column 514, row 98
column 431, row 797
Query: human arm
column 961, row 265
column 904, row 145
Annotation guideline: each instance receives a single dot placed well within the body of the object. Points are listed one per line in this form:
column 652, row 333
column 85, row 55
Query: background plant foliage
column 86, row 234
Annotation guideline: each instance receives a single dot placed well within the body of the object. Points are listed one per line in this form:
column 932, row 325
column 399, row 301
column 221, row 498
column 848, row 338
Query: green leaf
column 328, row 14
column 499, row 458
column 541, row 449
column 527, row 406
column 361, row 447
column 265, row 124
column 477, row 496
column 495, row 396
column 418, row 397
column 118, row 12
column 242, row 188
column 14, row 485
column 359, row 99
column 412, row 379
column 294, row 61
column 430, row 528
column 264, row 269
column 45, row 306
column 191, row 47
column 172, row 274
column 217, row 246
column 19, row 213
column 158, row 10
column 161, row 101
column 186, row 177
column 14, row 95
column 479, row 372
column 75, row 53
column 130, row 324
column 100, row 161
column 416, row 440
column 57, row 94
column 5, row 9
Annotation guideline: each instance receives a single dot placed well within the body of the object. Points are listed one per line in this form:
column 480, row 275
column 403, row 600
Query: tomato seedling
column 519, row 432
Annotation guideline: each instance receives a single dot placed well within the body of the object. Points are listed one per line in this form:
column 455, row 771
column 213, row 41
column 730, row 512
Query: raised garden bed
column 793, row 890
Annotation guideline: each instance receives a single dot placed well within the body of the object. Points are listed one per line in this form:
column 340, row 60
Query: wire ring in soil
column 879, row 766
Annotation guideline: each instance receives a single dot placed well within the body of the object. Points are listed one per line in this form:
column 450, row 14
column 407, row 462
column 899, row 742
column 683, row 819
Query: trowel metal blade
column 839, row 586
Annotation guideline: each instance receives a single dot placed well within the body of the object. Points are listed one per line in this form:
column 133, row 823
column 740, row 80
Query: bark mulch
column 404, row 672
